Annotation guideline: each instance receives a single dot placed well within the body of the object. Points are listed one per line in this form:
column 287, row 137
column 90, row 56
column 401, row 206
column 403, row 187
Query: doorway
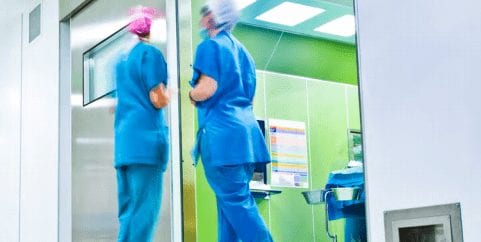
column 91, row 39
column 306, row 80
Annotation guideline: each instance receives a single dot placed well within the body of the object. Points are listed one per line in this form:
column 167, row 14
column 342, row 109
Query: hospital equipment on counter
column 343, row 196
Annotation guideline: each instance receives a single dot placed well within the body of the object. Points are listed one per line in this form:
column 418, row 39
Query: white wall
column 29, row 124
column 10, row 93
column 40, row 91
column 420, row 65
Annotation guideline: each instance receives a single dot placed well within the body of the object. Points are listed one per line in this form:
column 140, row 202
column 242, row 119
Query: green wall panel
column 328, row 142
column 285, row 97
column 352, row 95
column 291, row 217
column 259, row 98
column 327, row 110
column 264, row 209
column 206, row 208
column 298, row 55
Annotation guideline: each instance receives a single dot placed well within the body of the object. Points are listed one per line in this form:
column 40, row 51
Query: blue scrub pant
column 237, row 213
column 139, row 197
column 355, row 229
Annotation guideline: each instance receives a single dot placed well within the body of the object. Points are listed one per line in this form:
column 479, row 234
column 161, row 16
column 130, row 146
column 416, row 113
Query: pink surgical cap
column 141, row 19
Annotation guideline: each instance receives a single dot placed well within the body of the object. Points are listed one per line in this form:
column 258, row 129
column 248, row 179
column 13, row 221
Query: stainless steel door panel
column 94, row 191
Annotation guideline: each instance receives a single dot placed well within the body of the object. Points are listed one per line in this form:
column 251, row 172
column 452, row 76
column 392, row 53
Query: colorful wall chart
column 289, row 167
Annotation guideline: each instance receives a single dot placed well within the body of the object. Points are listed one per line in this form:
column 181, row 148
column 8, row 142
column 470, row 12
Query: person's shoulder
column 207, row 47
column 149, row 49
column 208, row 43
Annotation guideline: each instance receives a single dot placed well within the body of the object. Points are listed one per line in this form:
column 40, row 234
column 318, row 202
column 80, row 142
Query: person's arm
column 159, row 96
column 204, row 89
column 154, row 76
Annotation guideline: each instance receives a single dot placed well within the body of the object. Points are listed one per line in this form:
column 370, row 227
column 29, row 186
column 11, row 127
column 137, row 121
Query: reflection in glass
column 429, row 233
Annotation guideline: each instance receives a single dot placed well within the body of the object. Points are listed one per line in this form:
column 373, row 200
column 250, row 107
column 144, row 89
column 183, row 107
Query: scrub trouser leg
column 238, row 216
column 139, row 197
column 225, row 230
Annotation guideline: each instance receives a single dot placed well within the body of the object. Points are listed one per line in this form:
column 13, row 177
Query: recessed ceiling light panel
column 241, row 4
column 343, row 26
column 289, row 14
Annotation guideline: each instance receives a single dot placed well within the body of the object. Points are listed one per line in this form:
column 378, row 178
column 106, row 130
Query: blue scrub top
column 228, row 131
column 141, row 135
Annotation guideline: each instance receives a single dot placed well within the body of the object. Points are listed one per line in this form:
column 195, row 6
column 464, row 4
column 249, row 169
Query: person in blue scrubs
column 229, row 140
column 141, row 135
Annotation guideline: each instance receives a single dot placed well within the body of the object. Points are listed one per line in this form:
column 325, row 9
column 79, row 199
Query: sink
column 314, row 197
column 346, row 193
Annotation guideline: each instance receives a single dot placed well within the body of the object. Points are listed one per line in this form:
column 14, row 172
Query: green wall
column 297, row 55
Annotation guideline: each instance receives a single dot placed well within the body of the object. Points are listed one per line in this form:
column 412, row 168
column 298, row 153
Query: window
column 99, row 63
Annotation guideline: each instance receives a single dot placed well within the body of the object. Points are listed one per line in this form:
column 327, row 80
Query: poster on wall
column 289, row 165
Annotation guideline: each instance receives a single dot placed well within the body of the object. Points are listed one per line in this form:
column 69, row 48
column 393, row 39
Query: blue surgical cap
column 225, row 13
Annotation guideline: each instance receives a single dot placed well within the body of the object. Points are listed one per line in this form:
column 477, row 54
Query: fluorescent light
column 343, row 26
column 290, row 14
column 241, row 4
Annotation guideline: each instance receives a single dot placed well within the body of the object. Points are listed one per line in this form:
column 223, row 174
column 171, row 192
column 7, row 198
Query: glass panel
column 429, row 233
column 98, row 65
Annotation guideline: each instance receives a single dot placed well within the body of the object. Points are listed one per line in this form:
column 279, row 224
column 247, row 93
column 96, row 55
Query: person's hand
column 159, row 96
